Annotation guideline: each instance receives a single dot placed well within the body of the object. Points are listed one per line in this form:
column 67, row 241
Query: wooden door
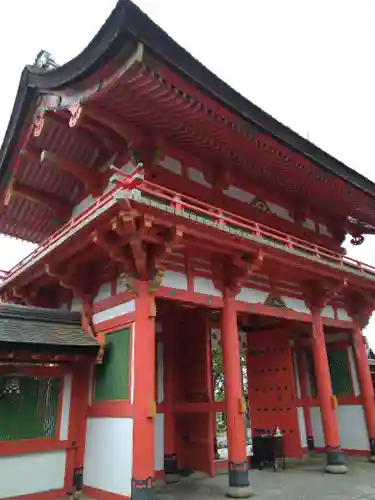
column 194, row 421
column 271, row 388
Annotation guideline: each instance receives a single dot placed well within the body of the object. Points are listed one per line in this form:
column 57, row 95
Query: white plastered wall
column 159, row 421
column 109, row 454
column 352, row 427
column 32, row 473
column 351, row 418
column 40, row 472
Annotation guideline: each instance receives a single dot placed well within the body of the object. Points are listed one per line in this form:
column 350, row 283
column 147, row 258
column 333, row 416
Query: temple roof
column 39, row 326
column 290, row 160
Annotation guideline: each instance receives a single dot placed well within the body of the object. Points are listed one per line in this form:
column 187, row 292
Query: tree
column 218, row 381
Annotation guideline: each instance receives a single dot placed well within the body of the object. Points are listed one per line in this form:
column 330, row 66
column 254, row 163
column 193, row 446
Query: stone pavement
column 302, row 481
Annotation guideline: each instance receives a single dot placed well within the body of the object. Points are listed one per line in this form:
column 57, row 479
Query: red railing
column 222, row 217
column 55, row 237
column 200, row 208
column 3, row 275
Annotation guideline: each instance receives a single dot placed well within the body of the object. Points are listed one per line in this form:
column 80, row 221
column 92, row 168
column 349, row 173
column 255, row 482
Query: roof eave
column 126, row 24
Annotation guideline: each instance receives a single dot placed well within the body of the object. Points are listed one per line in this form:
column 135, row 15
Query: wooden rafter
column 94, row 182
column 129, row 132
column 57, row 206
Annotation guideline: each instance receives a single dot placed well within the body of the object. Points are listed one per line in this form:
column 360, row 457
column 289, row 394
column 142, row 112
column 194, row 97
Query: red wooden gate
column 194, row 422
column 271, row 388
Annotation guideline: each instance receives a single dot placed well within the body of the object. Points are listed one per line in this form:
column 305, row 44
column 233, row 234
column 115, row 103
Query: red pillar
column 170, row 449
column 239, row 486
column 144, row 404
column 334, row 455
column 365, row 384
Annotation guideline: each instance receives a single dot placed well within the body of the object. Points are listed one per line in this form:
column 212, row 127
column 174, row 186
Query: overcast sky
column 309, row 63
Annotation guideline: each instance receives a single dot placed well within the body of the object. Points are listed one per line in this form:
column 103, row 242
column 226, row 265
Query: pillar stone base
column 142, row 489
column 170, row 464
column 171, row 470
column 335, row 460
column 240, row 492
column 239, row 483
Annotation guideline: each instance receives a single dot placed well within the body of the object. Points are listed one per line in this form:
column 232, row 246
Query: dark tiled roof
column 127, row 25
column 35, row 325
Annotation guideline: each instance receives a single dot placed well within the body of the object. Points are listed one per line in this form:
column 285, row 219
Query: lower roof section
column 43, row 327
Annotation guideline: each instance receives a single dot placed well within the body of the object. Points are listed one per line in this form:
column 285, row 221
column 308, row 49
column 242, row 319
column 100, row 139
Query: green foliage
column 217, row 370
column 218, row 380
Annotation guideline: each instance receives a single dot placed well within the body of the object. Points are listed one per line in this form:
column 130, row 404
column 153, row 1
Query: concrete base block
column 336, row 469
column 172, row 478
column 240, row 492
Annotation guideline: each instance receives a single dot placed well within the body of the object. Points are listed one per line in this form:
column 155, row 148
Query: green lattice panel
column 339, row 370
column 112, row 376
column 32, row 411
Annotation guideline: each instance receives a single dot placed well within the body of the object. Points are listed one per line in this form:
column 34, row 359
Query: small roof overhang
column 44, row 332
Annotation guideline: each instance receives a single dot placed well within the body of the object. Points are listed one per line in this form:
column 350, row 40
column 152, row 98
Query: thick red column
column 334, row 455
column 365, row 384
column 239, row 486
column 144, row 404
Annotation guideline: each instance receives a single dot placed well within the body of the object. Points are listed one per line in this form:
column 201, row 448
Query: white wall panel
column 109, row 454
column 31, row 473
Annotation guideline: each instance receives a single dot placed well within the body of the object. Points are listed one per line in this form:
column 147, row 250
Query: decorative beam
column 360, row 306
column 111, row 140
column 94, row 182
column 242, row 268
column 319, row 294
column 131, row 133
column 59, row 207
column 221, row 177
column 112, row 249
column 27, row 295
column 141, row 145
column 67, row 278
column 301, row 213
column 124, row 224
column 173, row 239
column 138, row 246
column 232, row 272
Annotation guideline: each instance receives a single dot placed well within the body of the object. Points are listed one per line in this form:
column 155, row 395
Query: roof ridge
column 45, row 315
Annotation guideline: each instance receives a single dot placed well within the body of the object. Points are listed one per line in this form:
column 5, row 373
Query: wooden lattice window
column 112, row 376
column 339, row 370
column 28, row 407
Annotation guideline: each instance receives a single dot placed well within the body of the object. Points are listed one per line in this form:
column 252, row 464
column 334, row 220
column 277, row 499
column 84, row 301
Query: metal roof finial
column 44, row 60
